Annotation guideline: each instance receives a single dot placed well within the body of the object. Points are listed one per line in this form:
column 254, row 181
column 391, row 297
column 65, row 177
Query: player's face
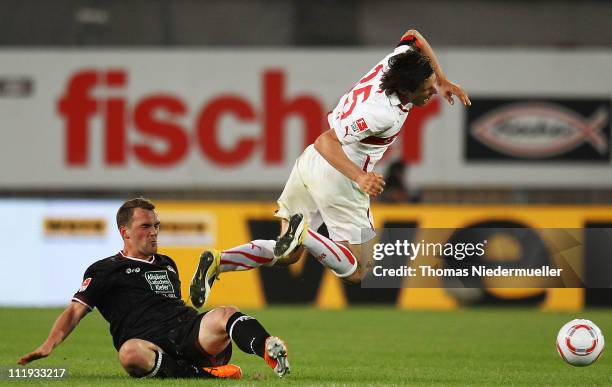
column 141, row 234
column 427, row 90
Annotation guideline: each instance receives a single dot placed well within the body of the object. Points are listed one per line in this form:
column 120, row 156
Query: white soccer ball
column 580, row 342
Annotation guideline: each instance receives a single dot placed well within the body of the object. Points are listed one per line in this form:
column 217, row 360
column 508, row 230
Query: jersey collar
column 137, row 259
column 395, row 101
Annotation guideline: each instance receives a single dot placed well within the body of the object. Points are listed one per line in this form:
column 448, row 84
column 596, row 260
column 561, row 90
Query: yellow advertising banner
column 194, row 226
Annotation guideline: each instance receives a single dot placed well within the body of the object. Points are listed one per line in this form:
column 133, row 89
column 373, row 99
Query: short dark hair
column 126, row 211
column 407, row 71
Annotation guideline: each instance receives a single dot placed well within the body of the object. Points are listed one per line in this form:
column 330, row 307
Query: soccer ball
column 580, row 342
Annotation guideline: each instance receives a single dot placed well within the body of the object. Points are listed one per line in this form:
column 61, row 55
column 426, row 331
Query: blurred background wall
column 278, row 23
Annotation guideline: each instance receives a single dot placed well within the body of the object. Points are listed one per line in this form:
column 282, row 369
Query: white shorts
column 323, row 194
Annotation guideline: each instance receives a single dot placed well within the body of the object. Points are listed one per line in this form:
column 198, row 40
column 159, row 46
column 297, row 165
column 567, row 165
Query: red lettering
column 276, row 111
column 413, row 129
column 207, row 125
column 115, row 131
column 76, row 106
column 115, row 136
column 146, row 122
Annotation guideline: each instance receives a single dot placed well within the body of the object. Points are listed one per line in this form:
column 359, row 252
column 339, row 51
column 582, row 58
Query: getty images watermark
column 458, row 251
column 490, row 257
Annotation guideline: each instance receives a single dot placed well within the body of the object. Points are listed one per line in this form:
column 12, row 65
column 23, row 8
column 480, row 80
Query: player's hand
column 448, row 89
column 38, row 353
column 371, row 183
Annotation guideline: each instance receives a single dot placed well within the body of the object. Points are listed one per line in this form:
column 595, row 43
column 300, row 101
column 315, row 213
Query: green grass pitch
column 356, row 346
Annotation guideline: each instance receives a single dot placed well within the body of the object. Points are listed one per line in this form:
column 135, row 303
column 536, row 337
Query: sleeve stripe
column 81, row 302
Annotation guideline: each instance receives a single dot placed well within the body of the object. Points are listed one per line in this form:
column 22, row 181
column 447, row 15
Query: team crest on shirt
column 171, row 269
column 359, row 125
column 85, row 284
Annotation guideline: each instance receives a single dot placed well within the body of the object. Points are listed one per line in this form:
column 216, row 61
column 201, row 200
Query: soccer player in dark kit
column 156, row 334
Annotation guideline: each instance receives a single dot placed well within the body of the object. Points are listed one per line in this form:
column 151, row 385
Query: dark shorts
column 181, row 342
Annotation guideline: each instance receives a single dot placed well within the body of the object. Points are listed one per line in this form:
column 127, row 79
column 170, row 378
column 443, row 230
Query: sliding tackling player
column 156, row 335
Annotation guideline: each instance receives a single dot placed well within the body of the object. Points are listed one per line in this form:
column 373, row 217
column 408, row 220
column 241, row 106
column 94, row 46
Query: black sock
column 168, row 367
column 248, row 334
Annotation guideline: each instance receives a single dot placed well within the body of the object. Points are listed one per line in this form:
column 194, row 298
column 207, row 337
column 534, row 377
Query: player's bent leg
column 294, row 256
column 292, row 235
column 137, row 357
column 363, row 254
column 244, row 257
column 333, row 255
column 143, row 359
column 220, row 325
column 254, row 254
column 213, row 337
column 212, row 263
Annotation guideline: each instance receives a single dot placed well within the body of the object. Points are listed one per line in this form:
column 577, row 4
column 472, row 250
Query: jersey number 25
column 357, row 91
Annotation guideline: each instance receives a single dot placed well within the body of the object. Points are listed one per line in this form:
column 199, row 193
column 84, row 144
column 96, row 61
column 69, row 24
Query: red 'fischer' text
column 158, row 116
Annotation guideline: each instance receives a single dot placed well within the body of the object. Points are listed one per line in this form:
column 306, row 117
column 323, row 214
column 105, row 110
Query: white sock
column 248, row 256
column 330, row 254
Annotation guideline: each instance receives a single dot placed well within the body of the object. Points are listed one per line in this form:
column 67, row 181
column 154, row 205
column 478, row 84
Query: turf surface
column 356, row 346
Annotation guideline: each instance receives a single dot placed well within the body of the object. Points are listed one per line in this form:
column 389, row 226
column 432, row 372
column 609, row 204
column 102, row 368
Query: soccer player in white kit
column 333, row 179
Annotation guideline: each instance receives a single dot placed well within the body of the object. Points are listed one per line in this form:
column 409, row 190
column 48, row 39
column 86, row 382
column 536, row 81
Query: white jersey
column 367, row 120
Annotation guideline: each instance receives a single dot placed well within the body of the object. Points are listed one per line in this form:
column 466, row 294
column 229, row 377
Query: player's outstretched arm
column 64, row 324
column 446, row 88
column 328, row 145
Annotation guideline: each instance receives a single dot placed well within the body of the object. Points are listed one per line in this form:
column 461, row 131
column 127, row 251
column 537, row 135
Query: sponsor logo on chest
column 159, row 281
